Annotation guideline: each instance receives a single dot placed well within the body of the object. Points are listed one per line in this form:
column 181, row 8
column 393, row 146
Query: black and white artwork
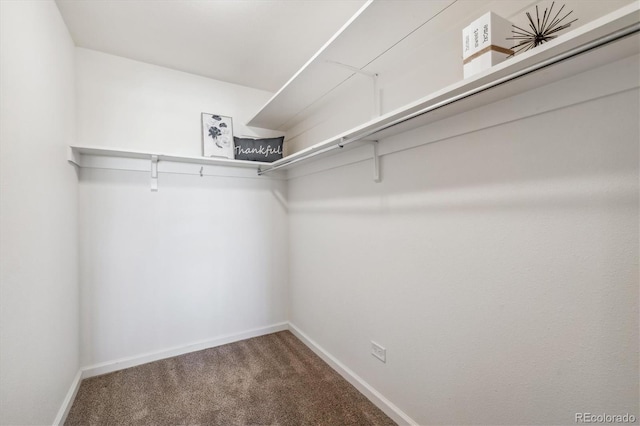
column 217, row 136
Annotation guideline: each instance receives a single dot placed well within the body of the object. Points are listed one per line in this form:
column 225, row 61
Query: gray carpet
column 268, row 380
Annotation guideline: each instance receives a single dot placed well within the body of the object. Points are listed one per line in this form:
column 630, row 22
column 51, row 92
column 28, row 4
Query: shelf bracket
column 376, row 162
column 154, row 173
column 73, row 157
column 377, row 110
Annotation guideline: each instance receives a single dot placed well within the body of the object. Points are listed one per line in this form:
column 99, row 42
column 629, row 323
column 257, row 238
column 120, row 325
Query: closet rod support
column 377, row 108
column 154, row 173
column 376, row 162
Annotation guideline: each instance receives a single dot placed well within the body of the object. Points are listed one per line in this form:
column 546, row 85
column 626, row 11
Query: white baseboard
column 68, row 400
column 366, row 389
column 122, row 363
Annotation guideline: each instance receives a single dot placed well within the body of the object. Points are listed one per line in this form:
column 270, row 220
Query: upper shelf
column 356, row 44
column 503, row 80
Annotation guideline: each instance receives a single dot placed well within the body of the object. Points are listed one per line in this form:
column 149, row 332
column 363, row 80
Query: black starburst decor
column 542, row 30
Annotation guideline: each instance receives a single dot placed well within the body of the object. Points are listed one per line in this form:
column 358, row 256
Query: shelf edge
column 310, row 61
column 76, row 151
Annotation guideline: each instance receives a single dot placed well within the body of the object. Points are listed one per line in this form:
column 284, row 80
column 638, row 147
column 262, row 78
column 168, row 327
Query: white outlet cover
column 378, row 351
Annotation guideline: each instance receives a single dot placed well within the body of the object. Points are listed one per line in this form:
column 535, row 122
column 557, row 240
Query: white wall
column 129, row 104
column 498, row 265
column 38, row 214
column 199, row 259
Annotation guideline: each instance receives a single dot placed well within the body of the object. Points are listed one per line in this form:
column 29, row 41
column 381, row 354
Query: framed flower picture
column 217, row 136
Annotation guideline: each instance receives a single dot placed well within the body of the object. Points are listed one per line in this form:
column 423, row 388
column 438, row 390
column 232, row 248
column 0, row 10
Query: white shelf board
column 402, row 119
column 77, row 152
column 357, row 43
column 158, row 163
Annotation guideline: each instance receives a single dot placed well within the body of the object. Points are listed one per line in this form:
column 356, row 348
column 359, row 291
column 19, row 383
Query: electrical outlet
column 378, row 351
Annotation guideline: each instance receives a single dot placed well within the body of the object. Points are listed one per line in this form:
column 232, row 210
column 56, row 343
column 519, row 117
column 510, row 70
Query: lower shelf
column 155, row 163
column 76, row 154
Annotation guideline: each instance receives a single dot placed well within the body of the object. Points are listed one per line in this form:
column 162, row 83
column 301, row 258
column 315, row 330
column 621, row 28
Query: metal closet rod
column 601, row 41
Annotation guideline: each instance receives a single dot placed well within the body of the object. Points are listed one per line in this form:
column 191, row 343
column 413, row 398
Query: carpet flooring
column 268, row 380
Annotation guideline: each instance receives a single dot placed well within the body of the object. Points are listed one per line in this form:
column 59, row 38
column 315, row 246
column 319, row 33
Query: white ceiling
column 255, row 43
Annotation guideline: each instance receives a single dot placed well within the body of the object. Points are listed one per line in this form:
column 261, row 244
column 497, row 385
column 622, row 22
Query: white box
column 484, row 43
column 483, row 62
